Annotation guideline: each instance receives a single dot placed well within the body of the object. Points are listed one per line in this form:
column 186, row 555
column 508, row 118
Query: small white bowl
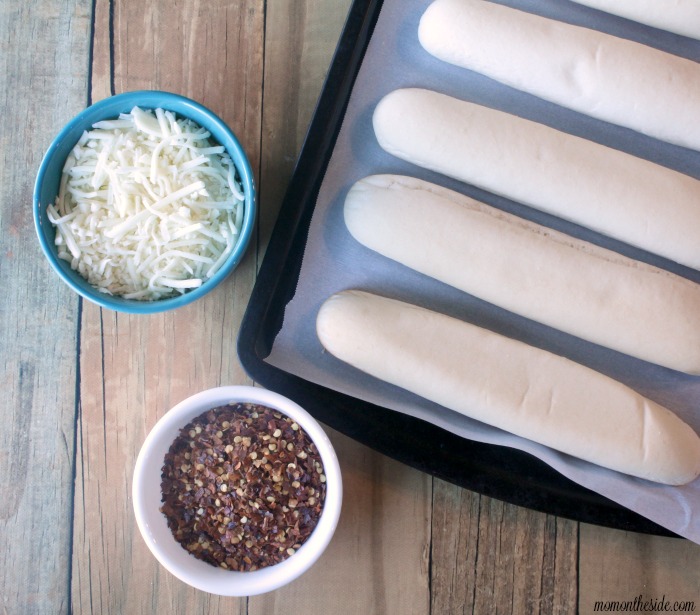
column 152, row 523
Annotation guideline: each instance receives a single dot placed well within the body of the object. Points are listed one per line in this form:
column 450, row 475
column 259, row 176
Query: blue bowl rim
column 148, row 99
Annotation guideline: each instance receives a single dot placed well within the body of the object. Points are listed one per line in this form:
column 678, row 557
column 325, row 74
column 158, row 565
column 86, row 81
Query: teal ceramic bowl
column 49, row 175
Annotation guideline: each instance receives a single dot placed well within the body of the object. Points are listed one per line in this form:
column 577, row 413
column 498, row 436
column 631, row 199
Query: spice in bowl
column 243, row 487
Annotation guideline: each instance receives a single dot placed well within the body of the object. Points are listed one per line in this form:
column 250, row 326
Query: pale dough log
column 677, row 16
column 510, row 385
column 550, row 277
column 613, row 79
column 619, row 195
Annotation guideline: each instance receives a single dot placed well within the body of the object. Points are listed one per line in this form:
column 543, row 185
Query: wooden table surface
column 82, row 386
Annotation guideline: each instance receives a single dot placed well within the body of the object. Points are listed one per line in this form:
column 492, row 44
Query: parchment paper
column 333, row 261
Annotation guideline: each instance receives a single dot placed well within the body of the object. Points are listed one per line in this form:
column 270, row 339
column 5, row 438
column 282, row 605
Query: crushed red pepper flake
column 242, row 487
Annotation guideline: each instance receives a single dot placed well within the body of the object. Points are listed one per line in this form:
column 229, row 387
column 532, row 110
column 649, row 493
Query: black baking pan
column 499, row 472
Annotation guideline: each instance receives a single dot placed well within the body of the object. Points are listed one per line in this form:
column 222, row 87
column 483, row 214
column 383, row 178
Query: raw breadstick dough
column 628, row 198
column 510, row 385
column 610, row 78
column 550, row 277
column 678, row 16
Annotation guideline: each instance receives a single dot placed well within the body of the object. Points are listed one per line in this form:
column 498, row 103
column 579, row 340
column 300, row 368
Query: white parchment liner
column 333, row 261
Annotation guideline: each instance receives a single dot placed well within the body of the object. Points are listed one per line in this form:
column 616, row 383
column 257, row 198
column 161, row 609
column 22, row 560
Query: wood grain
column 83, row 385
column 134, row 368
column 620, row 566
column 382, row 540
column 41, row 88
column 378, row 559
column 492, row 557
column 300, row 40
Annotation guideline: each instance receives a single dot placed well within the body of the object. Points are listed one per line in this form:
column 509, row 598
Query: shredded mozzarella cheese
column 148, row 206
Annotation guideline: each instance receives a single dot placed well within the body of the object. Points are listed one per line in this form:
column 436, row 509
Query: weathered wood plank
column 143, row 377
column 378, row 559
column 135, row 368
column 300, row 39
column 491, row 557
column 623, row 566
column 381, row 544
column 42, row 86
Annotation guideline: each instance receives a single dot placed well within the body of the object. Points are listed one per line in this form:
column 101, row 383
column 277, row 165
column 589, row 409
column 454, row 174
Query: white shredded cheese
column 148, row 206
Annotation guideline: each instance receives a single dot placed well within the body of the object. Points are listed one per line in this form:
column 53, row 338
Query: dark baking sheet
column 503, row 473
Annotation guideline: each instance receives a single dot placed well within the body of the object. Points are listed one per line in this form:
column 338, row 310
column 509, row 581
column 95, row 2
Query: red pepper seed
column 244, row 514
